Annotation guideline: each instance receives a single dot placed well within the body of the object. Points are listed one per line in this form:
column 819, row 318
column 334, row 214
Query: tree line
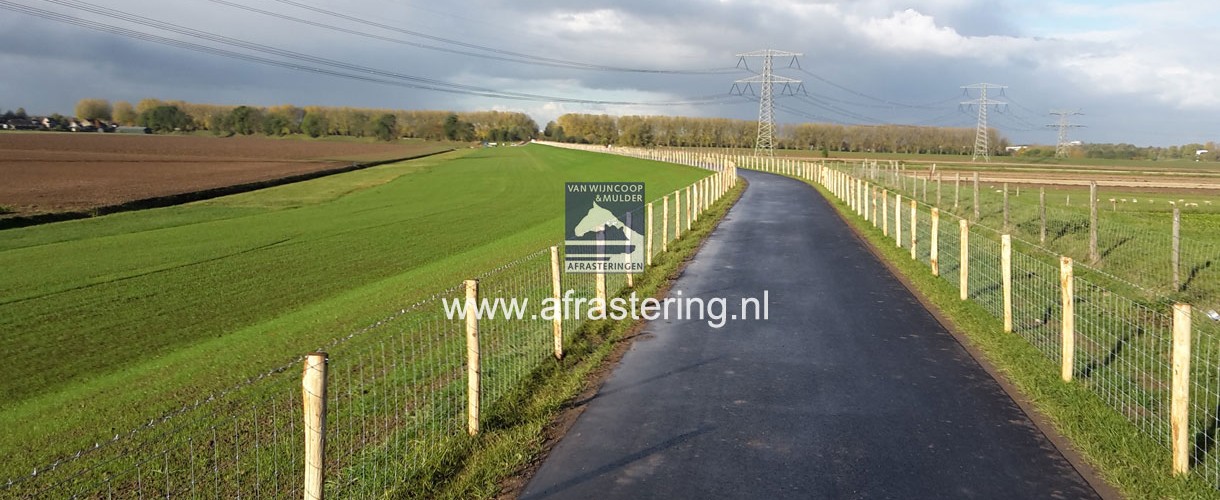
column 314, row 121
column 1122, row 151
column 676, row 131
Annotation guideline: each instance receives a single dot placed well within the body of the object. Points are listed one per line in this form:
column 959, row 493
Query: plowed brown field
column 59, row 172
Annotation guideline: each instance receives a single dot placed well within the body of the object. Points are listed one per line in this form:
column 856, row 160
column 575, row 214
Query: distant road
column 850, row 390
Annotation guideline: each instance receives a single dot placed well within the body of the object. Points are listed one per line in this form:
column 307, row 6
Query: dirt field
column 59, row 172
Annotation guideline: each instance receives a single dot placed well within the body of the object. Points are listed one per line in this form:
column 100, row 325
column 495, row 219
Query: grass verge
column 514, row 434
column 1121, row 455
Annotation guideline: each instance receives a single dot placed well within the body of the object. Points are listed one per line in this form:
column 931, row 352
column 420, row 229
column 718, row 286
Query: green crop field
column 111, row 321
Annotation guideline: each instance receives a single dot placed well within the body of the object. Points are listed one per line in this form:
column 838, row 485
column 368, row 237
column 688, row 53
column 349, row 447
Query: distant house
column 22, row 124
column 133, row 130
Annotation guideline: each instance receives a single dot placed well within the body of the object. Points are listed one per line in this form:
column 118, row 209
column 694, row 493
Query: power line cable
column 409, row 81
column 517, row 60
column 932, row 105
column 474, row 46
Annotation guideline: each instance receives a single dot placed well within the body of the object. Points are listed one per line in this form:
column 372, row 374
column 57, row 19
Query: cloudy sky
column 1143, row 72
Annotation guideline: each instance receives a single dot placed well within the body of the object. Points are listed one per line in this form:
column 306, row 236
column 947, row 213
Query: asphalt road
column 851, row 389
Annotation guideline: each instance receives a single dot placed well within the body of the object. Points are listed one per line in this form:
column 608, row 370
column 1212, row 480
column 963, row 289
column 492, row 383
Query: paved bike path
column 851, row 389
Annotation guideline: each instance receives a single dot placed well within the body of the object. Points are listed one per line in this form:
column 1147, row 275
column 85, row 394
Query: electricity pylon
column 765, row 142
column 1065, row 123
column 981, row 137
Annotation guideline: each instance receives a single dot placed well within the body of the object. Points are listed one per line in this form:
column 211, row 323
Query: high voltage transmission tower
column 1065, row 123
column 767, row 80
column 982, row 148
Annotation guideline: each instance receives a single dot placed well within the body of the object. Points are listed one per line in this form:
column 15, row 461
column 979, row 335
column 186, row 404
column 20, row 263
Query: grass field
column 1134, row 230
column 113, row 320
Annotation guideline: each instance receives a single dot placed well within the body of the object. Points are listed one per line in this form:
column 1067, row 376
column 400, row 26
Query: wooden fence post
column 914, row 226
column 1176, row 255
column 1094, row 257
column 677, row 214
column 976, row 196
column 1006, row 269
column 957, row 189
column 1042, row 215
column 473, row 371
column 874, row 208
column 1006, row 206
column 885, row 212
column 665, row 223
column 934, row 251
column 313, row 391
column 690, row 205
column 1067, row 284
column 898, row 220
column 599, row 285
column 963, row 279
column 557, row 321
column 648, row 235
column 1179, row 414
column 939, row 180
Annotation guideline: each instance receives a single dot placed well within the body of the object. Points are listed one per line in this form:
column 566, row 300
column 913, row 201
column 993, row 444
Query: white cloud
column 910, row 31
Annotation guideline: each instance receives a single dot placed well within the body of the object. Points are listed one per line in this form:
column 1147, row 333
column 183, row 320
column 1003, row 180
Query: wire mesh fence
column 1123, row 329
column 397, row 407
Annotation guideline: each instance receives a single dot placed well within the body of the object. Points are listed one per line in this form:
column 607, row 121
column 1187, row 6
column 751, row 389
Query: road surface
column 851, row 389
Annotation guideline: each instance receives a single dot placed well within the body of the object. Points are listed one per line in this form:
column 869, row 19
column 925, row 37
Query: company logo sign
column 604, row 227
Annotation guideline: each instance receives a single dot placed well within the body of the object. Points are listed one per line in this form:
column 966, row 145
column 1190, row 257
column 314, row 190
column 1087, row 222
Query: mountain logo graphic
column 604, row 226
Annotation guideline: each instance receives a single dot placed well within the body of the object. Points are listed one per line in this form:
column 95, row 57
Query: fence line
column 397, row 400
column 1134, row 343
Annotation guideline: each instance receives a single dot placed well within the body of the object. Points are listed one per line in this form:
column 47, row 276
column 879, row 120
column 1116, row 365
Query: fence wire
column 1123, row 289
column 396, row 398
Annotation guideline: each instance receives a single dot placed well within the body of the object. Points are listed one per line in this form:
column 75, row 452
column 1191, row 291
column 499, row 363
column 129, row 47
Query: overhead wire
column 495, row 50
column 504, row 58
column 379, row 76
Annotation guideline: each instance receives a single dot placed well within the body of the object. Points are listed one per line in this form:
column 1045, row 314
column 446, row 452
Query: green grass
column 514, row 436
column 1134, row 462
column 1134, row 236
column 113, row 320
column 1000, row 163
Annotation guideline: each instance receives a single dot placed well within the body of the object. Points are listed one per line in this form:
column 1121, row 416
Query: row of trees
column 721, row 132
column 1122, row 151
column 315, row 121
